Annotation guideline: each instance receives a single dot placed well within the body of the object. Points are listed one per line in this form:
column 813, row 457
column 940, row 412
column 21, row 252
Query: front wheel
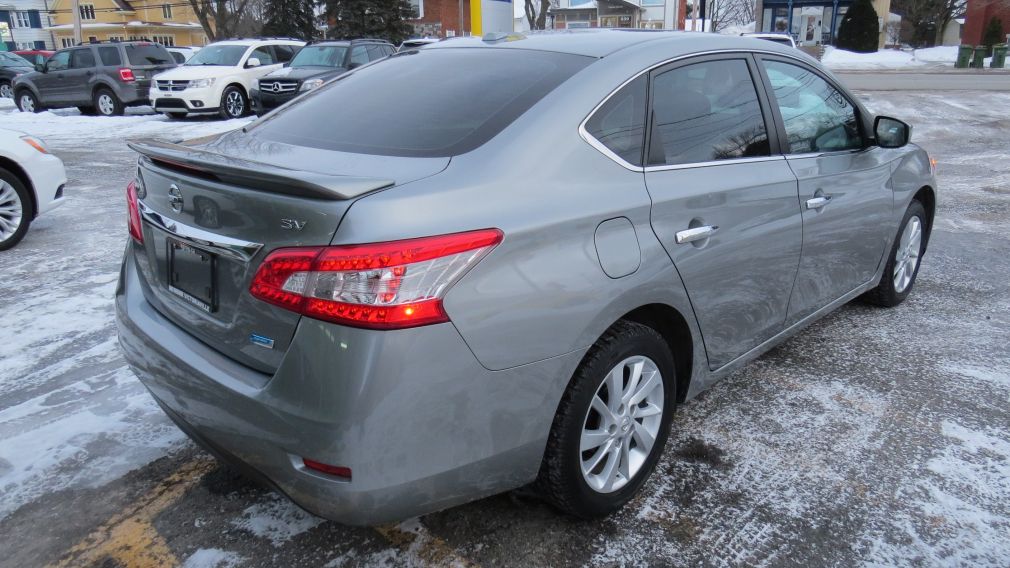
column 903, row 263
column 28, row 103
column 6, row 92
column 15, row 210
column 234, row 103
column 612, row 423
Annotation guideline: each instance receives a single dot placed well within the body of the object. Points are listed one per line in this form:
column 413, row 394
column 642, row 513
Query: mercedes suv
column 314, row 65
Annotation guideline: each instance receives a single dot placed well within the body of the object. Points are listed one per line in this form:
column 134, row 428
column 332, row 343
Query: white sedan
column 31, row 183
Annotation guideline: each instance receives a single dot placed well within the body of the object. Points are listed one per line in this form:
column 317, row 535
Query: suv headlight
column 311, row 84
column 201, row 83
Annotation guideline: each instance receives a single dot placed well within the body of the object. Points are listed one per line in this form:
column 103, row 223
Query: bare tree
column 220, row 18
column 928, row 18
column 536, row 13
column 725, row 13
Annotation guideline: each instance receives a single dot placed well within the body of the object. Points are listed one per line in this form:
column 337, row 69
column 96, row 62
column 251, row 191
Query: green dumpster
column 978, row 62
column 998, row 56
column 963, row 56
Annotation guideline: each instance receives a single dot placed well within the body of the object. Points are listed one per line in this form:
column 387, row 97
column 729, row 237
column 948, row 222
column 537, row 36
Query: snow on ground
column 213, row 558
column 278, row 520
column 921, row 59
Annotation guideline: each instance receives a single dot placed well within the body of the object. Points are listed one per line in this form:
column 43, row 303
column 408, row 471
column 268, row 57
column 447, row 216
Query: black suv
column 315, row 64
column 102, row 78
column 10, row 67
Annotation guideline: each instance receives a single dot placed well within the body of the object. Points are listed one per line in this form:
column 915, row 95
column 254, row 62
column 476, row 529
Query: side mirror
column 891, row 132
column 40, row 67
column 353, row 65
column 252, row 62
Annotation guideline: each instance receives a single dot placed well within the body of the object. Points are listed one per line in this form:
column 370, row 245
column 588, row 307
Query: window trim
column 861, row 113
column 754, row 54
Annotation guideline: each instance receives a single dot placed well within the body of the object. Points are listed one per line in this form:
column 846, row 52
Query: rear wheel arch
column 672, row 325
column 13, row 167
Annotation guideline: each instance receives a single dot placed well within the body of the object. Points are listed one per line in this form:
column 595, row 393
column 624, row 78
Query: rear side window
column 110, row 56
column 620, row 123
column 82, row 59
column 148, row 54
column 706, row 112
column 263, row 54
column 435, row 102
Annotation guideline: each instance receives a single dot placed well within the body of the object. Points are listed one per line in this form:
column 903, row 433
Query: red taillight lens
column 390, row 285
column 337, row 470
column 126, row 75
column 133, row 210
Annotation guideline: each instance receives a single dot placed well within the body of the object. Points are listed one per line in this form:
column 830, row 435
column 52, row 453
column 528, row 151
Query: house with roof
column 23, row 25
column 168, row 22
column 647, row 14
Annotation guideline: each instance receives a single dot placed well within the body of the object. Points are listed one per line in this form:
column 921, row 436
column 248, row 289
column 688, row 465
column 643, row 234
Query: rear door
column 844, row 183
column 724, row 201
column 77, row 80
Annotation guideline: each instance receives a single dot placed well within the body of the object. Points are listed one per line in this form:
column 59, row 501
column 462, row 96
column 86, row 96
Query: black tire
column 885, row 294
column 241, row 108
column 561, row 481
column 111, row 106
column 25, row 96
column 5, row 90
column 176, row 115
column 86, row 110
column 27, row 210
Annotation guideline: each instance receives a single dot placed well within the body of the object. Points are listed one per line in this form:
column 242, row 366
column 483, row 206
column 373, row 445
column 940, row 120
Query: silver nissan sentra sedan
column 504, row 261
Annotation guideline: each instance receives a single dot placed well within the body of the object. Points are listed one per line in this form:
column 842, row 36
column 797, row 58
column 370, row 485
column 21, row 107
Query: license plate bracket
column 192, row 275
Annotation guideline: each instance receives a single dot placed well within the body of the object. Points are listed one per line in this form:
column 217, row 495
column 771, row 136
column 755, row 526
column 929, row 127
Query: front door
column 50, row 84
column 844, row 184
column 724, row 200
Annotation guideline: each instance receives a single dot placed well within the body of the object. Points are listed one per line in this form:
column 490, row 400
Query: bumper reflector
column 334, row 470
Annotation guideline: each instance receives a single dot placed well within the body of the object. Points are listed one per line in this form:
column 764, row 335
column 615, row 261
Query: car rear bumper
column 420, row 423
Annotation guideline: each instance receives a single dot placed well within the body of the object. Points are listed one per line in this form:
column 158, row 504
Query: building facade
column 171, row 23
column 646, row 14
column 811, row 22
column 23, row 24
column 977, row 17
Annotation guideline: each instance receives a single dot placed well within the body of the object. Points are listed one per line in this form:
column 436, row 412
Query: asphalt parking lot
column 876, row 437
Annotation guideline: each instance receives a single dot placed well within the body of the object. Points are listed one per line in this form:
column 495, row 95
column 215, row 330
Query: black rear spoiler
column 254, row 175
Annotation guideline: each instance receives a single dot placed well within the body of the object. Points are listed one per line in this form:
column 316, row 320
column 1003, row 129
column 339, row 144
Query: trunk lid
column 209, row 219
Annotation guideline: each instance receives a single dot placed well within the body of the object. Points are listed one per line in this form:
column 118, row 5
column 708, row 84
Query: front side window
column 227, row 55
column 620, row 123
column 59, row 62
column 816, row 116
column 459, row 99
column 706, row 112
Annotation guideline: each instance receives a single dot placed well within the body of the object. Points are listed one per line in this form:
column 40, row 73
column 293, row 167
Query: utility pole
column 694, row 15
column 78, row 35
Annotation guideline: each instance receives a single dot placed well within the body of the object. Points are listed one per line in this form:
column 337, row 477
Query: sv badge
column 292, row 224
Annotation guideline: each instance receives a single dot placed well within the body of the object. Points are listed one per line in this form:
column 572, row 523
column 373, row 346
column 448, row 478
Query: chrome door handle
column 695, row 234
column 817, row 202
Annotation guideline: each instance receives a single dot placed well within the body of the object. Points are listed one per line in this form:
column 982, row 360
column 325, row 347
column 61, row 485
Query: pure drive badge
column 261, row 341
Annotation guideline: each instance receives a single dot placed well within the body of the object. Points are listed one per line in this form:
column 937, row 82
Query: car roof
column 602, row 42
column 249, row 42
column 348, row 41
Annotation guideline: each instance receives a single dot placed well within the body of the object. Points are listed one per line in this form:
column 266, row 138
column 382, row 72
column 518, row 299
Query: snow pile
column 935, row 57
column 213, row 558
column 278, row 520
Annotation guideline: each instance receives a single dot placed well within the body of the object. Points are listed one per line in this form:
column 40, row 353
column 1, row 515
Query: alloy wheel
column 622, row 424
column 106, row 105
column 6, row 92
column 906, row 258
column 27, row 103
column 11, row 211
column 234, row 104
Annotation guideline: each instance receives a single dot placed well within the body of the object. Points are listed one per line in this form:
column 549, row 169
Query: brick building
column 977, row 18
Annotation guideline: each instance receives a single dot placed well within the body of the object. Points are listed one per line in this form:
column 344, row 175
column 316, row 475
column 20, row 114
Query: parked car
column 35, row 56
column 313, row 65
column 182, row 54
column 219, row 77
column 31, row 183
column 102, row 78
column 11, row 66
column 781, row 39
column 416, row 43
column 411, row 290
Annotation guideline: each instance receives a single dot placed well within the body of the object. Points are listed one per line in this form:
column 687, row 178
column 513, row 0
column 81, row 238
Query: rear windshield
column 429, row 103
column 148, row 54
column 320, row 56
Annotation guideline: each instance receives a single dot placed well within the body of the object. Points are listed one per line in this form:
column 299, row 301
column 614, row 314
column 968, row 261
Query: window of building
column 166, row 11
column 66, row 42
column 653, row 2
column 26, row 45
column 706, row 112
column 166, row 40
column 21, row 20
column 817, row 117
column 620, row 123
column 418, row 6
column 116, row 38
column 87, row 11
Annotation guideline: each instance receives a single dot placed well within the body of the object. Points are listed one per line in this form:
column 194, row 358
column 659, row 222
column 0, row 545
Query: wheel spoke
column 646, row 411
column 633, row 381
column 624, row 466
column 615, row 385
column 643, row 437
column 598, row 457
column 646, row 388
column 609, row 473
column 604, row 411
column 593, row 439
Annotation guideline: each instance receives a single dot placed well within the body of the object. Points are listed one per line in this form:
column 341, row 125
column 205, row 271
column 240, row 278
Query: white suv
column 218, row 78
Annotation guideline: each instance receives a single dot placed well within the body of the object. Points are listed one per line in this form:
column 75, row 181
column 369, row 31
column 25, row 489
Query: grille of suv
column 278, row 86
column 172, row 86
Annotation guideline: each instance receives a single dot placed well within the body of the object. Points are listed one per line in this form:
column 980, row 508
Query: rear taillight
column 133, row 211
column 126, row 75
column 390, row 285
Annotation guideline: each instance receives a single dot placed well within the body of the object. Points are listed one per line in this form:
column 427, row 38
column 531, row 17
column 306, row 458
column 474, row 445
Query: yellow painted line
column 129, row 537
column 431, row 550
column 475, row 21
